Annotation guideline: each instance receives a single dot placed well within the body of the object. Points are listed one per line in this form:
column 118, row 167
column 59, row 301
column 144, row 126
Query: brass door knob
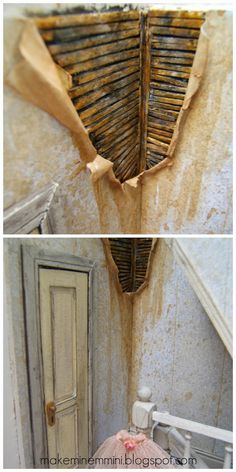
column 51, row 413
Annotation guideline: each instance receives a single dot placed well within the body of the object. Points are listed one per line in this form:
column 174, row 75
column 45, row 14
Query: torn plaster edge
column 213, row 311
column 46, row 90
column 196, row 74
column 112, row 267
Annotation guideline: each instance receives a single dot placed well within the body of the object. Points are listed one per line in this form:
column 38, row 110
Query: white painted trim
column 30, row 213
column 193, row 426
column 213, row 311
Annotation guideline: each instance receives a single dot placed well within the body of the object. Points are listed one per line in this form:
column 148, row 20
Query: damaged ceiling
column 131, row 256
column 129, row 74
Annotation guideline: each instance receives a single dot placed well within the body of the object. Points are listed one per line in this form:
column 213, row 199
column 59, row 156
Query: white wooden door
column 64, row 336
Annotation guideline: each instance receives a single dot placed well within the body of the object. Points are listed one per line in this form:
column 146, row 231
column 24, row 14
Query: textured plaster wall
column 192, row 196
column 195, row 195
column 215, row 271
column 177, row 352
column 111, row 319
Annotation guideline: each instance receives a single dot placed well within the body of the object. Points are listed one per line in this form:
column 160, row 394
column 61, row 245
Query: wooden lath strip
column 101, row 61
column 92, row 41
column 106, row 71
column 174, row 37
column 80, row 90
column 169, row 14
column 89, row 53
column 61, row 21
column 64, row 35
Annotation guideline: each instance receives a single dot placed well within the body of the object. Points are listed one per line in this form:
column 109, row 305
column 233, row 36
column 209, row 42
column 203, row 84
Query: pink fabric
column 128, row 451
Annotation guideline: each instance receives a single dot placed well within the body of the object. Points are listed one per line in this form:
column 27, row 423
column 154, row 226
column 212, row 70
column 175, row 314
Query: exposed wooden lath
column 173, row 40
column 131, row 256
column 130, row 72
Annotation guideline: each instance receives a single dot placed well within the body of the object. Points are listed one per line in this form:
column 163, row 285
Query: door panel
column 63, row 304
column 63, row 317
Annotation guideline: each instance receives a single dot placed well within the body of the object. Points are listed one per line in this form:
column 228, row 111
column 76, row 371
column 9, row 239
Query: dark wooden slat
column 168, row 73
column 176, row 14
column 159, row 132
column 172, row 53
column 91, row 41
column 80, row 90
column 172, row 68
column 172, row 60
column 176, row 22
column 117, row 134
column 174, row 43
column 175, row 101
column 161, row 93
column 163, row 127
column 120, row 147
column 109, row 100
column 61, row 21
column 101, row 61
column 156, row 145
column 171, row 80
column 87, row 54
column 102, row 117
column 156, row 135
column 179, row 32
column 105, row 71
column 171, row 88
column 81, row 31
column 120, row 157
column 115, row 145
column 112, row 127
column 82, row 101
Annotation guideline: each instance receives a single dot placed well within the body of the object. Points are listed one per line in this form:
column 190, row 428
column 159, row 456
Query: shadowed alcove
column 131, row 256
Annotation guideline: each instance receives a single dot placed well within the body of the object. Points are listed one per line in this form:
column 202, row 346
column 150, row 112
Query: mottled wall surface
column 111, row 329
column 192, row 196
column 177, row 352
column 195, row 194
column 215, row 271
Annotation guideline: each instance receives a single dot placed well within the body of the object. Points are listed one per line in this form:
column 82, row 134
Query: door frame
column 32, row 260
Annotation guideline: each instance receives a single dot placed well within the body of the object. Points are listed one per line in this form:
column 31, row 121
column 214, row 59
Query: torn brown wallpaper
column 36, row 77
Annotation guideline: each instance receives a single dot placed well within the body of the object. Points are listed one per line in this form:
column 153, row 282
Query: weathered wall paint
column 162, row 337
column 177, row 352
column 192, row 196
column 111, row 334
column 11, row 455
column 215, row 270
